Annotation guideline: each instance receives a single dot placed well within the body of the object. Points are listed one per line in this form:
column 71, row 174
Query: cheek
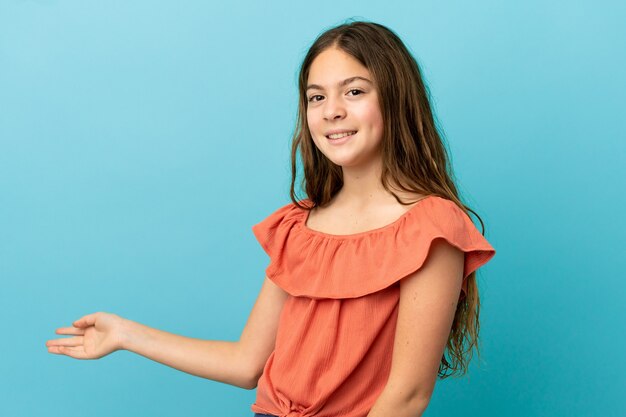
column 368, row 112
column 374, row 119
column 313, row 128
column 313, row 124
column 310, row 121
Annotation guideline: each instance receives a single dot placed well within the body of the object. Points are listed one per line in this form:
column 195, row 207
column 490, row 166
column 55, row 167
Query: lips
column 341, row 140
column 342, row 132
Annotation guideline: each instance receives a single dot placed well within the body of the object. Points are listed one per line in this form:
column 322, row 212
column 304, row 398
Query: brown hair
column 413, row 151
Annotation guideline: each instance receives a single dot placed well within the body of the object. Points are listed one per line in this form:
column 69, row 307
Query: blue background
column 140, row 141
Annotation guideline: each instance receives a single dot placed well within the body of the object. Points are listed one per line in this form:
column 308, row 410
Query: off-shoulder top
column 333, row 350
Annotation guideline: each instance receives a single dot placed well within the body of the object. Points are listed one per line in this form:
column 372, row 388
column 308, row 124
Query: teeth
column 340, row 135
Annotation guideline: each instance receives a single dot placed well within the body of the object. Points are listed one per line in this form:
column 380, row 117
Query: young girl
column 370, row 293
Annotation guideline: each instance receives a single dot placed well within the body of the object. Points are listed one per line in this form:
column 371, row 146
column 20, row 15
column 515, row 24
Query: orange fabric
column 334, row 344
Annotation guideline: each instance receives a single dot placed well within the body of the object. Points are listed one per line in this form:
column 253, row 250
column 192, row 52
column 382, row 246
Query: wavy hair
column 413, row 152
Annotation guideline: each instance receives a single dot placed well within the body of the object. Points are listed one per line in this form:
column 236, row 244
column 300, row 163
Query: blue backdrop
column 140, row 141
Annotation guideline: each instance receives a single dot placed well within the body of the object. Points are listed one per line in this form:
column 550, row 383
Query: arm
column 428, row 300
column 237, row 363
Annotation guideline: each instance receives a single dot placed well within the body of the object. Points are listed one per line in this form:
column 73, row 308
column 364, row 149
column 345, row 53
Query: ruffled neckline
column 304, row 217
column 315, row 264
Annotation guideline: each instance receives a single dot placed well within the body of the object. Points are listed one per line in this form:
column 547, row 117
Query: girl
column 370, row 293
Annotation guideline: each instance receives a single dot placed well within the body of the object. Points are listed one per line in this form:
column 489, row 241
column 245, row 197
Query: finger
column 70, row 330
column 74, row 352
column 54, row 349
column 69, row 341
column 57, row 350
column 86, row 321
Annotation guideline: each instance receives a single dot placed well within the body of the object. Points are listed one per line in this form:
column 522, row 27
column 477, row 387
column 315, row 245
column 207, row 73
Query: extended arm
column 428, row 300
column 237, row 363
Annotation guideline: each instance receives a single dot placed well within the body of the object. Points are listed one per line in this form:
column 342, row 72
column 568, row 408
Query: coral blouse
column 336, row 331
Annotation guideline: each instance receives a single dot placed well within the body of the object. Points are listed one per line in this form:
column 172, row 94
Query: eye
column 312, row 97
column 357, row 90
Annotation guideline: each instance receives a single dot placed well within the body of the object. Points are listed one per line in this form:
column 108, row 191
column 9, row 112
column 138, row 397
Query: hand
column 95, row 335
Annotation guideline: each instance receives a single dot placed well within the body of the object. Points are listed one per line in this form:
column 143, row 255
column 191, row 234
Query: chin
column 344, row 163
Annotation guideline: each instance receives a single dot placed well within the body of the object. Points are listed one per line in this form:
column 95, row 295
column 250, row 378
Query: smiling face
column 341, row 97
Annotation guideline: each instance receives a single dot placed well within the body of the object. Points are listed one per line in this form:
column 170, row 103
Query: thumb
column 85, row 321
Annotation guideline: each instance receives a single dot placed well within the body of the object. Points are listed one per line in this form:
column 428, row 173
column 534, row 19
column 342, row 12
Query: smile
column 340, row 138
column 340, row 135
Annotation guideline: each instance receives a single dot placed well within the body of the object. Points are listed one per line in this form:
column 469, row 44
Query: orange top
column 335, row 337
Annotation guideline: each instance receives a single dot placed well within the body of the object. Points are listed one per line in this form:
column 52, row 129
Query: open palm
column 94, row 336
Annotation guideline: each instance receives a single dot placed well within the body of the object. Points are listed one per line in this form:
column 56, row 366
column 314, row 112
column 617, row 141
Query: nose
column 333, row 109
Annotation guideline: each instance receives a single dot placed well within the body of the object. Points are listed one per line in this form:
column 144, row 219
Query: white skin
column 354, row 106
column 428, row 296
column 332, row 107
column 92, row 339
column 362, row 201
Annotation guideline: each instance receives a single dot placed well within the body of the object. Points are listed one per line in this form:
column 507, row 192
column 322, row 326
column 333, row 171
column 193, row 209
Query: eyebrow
column 339, row 84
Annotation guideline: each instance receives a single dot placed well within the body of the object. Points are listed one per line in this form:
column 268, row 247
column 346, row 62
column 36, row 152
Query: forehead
column 333, row 65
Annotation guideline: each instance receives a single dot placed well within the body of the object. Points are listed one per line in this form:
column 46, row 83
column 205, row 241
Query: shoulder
column 276, row 226
column 285, row 211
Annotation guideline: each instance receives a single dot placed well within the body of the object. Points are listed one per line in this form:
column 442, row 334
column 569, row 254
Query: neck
column 362, row 186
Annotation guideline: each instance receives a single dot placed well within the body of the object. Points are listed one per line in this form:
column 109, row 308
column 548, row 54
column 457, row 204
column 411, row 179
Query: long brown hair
column 413, row 152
